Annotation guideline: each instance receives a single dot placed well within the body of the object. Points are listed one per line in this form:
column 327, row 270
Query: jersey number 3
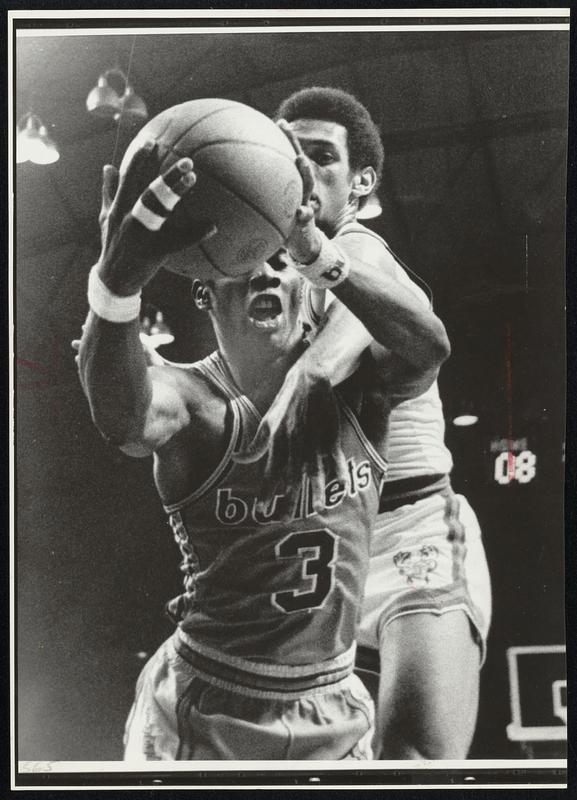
column 317, row 551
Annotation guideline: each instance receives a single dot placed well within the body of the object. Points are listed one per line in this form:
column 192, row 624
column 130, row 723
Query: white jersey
column 416, row 443
column 416, row 438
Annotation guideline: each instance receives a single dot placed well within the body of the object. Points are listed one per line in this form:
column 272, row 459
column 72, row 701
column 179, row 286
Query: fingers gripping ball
column 247, row 184
column 160, row 196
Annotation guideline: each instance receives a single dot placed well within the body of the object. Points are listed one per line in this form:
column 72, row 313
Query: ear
column 200, row 295
column 364, row 181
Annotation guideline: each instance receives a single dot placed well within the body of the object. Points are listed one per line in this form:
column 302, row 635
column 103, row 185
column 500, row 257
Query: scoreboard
column 513, row 461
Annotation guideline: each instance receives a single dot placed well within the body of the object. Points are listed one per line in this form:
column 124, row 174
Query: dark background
column 473, row 195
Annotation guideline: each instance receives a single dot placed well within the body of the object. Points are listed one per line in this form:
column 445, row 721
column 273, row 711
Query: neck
column 259, row 373
column 348, row 214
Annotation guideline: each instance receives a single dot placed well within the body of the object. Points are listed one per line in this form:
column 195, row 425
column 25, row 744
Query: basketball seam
column 198, row 121
column 254, row 207
column 217, row 179
column 159, row 134
column 249, row 203
column 213, row 264
column 263, row 145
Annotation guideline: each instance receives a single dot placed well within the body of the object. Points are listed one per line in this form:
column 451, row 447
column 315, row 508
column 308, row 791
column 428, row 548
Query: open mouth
column 264, row 311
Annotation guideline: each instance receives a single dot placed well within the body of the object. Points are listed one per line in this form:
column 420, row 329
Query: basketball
column 247, row 183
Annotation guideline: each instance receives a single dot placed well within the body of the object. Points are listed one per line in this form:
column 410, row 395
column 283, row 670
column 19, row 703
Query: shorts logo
column 416, row 564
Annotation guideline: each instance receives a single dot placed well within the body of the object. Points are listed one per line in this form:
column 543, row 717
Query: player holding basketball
column 427, row 604
column 260, row 666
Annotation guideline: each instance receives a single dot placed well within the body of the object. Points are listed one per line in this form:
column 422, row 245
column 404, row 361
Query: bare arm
column 342, row 338
column 337, row 343
column 407, row 330
column 133, row 404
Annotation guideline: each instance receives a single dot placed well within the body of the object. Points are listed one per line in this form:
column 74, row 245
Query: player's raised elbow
column 118, row 415
column 429, row 347
column 440, row 344
column 115, row 426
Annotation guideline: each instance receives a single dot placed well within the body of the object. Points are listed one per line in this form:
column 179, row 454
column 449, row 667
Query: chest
column 191, row 457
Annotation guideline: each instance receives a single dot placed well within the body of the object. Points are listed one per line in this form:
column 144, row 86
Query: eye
column 323, row 158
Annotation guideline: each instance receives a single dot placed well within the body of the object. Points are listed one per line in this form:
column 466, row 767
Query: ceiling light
column 103, row 100
column 132, row 107
column 33, row 143
column 154, row 329
column 114, row 98
column 464, row 420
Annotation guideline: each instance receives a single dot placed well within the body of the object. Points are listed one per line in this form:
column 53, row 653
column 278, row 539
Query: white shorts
column 177, row 715
column 427, row 557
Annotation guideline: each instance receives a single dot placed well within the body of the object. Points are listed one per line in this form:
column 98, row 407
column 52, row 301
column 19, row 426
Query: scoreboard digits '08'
column 520, row 467
column 512, row 461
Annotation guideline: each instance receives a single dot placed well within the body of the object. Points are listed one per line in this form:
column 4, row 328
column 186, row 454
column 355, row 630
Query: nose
column 279, row 260
column 315, row 170
column 264, row 277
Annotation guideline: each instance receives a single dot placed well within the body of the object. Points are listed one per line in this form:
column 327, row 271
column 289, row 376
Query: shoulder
column 365, row 245
column 183, row 382
column 179, row 396
column 186, row 376
column 362, row 243
column 192, row 381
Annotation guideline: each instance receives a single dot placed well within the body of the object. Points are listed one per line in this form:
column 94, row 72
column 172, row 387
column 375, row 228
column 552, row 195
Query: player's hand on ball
column 299, row 434
column 303, row 244
column 132, row 218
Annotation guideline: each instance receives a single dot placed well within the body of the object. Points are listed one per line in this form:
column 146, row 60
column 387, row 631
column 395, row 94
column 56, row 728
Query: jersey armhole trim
column 218, row 471
column 378, row 460
column 235, row 436
column 225, row 381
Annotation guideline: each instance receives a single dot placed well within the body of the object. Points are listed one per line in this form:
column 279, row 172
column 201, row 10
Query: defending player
column 260, row 666
column 427, row 603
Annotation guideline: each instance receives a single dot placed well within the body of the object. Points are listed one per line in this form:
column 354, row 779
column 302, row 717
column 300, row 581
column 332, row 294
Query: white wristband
column 330, row 267
column 110, row 306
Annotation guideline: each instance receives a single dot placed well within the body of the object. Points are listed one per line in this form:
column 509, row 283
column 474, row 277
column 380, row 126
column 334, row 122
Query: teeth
column 266, row 323
column 266, row 305
column 265, row 312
